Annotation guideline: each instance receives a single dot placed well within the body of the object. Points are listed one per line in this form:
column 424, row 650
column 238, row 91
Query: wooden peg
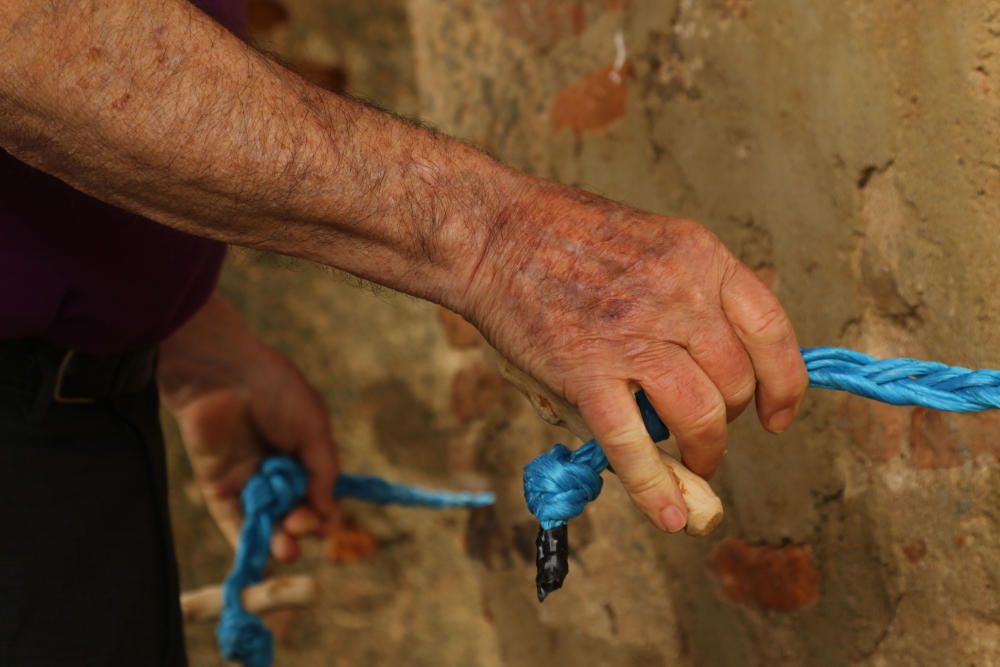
column 704, row 507
column 205, row 604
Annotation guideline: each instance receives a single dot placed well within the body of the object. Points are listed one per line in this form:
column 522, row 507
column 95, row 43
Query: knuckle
column 663, row 381
column 652, row 355
column 725, row 360
column 622, row 445
column 648, row 484
column 701, row 239
column 742, row 391
column 692, row 229
column 708, row 420
column 770, row 325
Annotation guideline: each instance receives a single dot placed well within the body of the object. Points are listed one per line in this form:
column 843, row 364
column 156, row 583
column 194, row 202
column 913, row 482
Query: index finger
column 614, row 418
column 319, row 457
column 766, row 332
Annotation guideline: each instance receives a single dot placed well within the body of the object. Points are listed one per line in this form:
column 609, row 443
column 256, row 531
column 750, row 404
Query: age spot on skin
column 120, row 103
column 615, row 309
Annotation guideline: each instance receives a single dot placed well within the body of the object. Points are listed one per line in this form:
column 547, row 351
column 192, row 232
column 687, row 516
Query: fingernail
column 672, row 519
column 781, row 420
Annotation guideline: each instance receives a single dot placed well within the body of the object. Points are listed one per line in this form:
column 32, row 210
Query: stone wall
column 850, row 153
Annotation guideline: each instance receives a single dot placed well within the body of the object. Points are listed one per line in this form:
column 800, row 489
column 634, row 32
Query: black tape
column 551, row 559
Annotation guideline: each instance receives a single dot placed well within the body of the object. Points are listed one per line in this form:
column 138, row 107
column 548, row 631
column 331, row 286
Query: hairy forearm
column 155, row 108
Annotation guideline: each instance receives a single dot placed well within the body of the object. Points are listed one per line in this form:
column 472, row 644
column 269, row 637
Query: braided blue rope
column 927, row 384
column 559, row 483
column 278, row 486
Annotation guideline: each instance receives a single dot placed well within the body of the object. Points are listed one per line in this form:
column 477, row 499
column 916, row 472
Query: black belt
column 68, row 377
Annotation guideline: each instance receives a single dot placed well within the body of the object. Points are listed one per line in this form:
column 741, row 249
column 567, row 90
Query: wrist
column 470, row 200
column 536, row 228
column 207, row 353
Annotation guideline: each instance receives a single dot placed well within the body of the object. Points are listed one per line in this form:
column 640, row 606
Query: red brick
column 457, row 330
column 350, row 544
column 878, row 430
column 940, row 440
column 979, row 433
column 773, row 578
column 593, row 102
column 934, row 444
column 475, row 391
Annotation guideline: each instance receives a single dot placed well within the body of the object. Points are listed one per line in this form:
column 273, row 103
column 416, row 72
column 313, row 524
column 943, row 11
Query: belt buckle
column 57, row 390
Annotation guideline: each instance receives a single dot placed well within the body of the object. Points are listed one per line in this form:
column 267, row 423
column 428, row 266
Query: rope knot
column 559, row 483
column 244, row 637
column 280, row 484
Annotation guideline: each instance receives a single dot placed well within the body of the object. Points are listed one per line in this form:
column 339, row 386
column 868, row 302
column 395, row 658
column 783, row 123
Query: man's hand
column 597, row 300
column 167, row 115
column 235, row 399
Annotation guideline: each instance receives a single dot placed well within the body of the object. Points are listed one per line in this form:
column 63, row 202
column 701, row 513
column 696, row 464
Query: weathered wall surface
column 849, row 152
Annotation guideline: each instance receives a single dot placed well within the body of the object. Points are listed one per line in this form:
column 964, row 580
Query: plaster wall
column 850, row 153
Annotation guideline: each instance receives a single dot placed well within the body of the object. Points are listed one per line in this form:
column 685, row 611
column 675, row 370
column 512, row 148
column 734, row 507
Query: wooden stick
column 205, row 604
column 704, row 507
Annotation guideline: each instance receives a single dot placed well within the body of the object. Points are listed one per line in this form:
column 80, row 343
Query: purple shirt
column 89, row 276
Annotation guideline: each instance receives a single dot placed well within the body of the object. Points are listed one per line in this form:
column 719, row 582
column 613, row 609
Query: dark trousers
column 87, row 569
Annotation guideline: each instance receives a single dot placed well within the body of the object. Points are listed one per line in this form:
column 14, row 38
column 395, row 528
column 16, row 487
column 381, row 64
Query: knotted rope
column 278, row 486
column 559, row 483
column 927, row 384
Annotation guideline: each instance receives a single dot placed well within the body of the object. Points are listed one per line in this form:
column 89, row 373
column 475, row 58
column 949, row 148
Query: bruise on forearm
column 154, row 107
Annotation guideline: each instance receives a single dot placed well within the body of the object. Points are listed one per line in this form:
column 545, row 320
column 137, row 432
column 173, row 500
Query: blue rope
column 927, row 384
column 278, row 486
column 559, row 483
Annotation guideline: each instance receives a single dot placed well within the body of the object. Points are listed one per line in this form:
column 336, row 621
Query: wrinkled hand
column 597, row 300
column 235, row 400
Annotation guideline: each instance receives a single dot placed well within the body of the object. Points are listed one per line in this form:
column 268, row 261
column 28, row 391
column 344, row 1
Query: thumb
column 224, row 453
